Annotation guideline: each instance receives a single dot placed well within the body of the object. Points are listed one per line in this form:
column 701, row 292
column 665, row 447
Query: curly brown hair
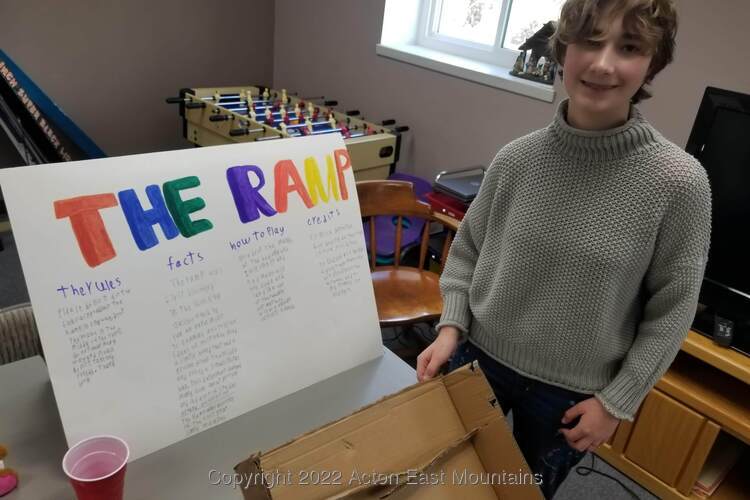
column 654, row 21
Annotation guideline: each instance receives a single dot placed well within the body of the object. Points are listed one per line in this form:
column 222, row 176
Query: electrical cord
column 393, row 338
column 417, row 329
column 397, row 337
column 582, row 470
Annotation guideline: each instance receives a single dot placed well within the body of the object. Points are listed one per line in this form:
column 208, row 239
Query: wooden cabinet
column 705, row 392
column 663, row 439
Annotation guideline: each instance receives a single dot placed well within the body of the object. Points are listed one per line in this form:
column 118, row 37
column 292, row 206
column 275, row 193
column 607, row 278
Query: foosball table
column 213, row 116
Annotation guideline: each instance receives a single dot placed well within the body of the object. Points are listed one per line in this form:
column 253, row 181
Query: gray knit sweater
column 580, row 261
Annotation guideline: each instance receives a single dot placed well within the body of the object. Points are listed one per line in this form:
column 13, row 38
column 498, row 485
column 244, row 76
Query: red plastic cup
column 96, row 467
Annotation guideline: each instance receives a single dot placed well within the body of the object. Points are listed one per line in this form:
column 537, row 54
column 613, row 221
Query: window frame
column 428, row 37
column 398, row 42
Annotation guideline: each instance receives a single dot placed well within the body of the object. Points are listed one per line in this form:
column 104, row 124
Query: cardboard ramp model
column 442, row 439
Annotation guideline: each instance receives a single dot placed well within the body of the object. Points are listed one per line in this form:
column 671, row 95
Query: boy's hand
column 594, row 428
column 437, row 353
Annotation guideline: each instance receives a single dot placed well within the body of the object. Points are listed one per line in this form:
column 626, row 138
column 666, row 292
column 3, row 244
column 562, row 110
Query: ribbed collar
column 603, row 145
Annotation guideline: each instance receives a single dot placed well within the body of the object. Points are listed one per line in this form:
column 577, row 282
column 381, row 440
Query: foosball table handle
column 352, row 112
column 175, row 100
column 195, row 105
column 330, row 103
column 402, row 128
column 219, row 118
column 238, row 131
column 390, row 121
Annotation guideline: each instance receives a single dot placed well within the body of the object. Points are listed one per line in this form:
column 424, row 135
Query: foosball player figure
column 345, row 130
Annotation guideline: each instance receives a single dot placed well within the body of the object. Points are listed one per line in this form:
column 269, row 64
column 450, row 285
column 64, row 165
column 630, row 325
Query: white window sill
column 475, row 71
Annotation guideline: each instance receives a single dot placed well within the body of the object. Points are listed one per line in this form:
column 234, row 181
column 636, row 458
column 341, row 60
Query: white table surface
column 30, row 428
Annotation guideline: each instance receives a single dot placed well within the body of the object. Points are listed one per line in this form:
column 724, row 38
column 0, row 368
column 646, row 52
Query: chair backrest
column 394, row 198
column 19, row 337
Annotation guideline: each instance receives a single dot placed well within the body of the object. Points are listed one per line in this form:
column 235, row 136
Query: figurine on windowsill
column 545, row 72
column 539, row 71
column 8, row 477
column 531, row 65
column 538, row 66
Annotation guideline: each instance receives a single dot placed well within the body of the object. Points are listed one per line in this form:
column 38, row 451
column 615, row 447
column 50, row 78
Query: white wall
column 110, row 65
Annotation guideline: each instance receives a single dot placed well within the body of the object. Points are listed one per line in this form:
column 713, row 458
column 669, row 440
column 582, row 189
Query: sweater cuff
column 622, row 397
column 456, row 313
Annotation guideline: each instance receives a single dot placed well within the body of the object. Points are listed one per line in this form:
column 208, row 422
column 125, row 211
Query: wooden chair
column 19, row 337
column 404, row 295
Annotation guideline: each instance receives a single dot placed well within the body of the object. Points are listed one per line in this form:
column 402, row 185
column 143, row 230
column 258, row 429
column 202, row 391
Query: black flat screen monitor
column 720, row 140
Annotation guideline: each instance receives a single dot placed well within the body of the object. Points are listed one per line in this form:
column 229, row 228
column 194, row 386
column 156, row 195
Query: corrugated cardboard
column 442, row 439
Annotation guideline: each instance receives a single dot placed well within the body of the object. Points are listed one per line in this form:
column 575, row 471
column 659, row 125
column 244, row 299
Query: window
column 467, row 28
column 471, row 20
column 472, row 36
column 527, row 17
column 483, row 30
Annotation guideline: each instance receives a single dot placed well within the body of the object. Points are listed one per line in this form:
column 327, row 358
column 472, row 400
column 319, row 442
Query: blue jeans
column 537, row 412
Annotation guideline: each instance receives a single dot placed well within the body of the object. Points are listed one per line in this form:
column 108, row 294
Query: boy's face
column 602, row 74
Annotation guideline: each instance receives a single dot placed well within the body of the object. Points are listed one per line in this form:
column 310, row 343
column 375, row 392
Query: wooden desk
column 705, row 392
column 30, row 427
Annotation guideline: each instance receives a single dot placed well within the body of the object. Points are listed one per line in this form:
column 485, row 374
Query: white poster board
column 162, row 313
